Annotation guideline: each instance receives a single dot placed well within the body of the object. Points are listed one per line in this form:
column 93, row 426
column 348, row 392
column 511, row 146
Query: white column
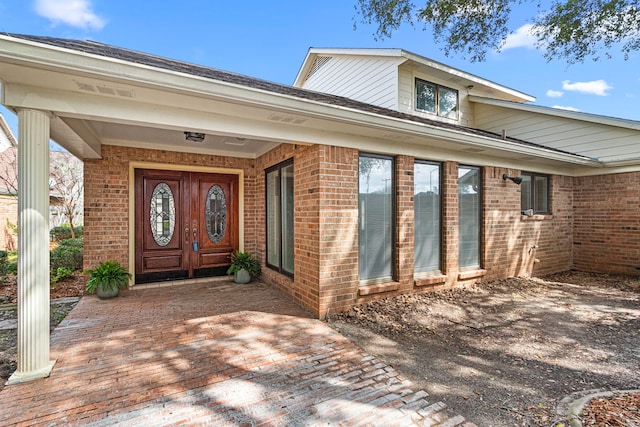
column 33, row 247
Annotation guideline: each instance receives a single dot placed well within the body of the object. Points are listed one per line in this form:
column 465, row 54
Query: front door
column 186, row 224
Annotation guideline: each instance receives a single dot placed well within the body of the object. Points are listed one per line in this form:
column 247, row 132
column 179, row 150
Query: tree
column 66, row 182
column 67, row 185
column 569, row 29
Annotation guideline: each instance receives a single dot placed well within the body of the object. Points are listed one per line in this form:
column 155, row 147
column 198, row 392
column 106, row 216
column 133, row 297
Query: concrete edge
column 572, row 405
column 65, row 300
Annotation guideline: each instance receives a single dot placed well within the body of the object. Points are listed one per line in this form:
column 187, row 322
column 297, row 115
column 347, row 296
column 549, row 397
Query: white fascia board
column 51, row 57
column 550, row 111
column 467, row 76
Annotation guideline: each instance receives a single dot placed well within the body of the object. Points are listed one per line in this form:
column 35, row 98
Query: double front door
column 186, row 224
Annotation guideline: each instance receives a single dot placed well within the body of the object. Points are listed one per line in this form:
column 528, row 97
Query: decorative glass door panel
column 186, row 224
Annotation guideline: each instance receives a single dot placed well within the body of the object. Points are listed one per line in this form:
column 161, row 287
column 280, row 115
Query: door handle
column 195, row 238
column 186, row 232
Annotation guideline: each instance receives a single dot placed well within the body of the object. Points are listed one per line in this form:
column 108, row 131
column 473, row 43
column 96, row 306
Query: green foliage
column 13, row 227
column 8, row 263
column 63, row 232
column 246, row 261
column 61, row 273
column 4, row 263
column 569, row 29
column 68, row 254
column 109, row 275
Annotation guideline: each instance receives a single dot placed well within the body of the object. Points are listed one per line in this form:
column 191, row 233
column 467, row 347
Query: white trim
column 239, row 96
column 133, row 165
column 550, row 111
column 401, row 53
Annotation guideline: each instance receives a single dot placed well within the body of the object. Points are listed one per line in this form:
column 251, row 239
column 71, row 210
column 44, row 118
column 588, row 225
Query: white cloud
column 522, row 37
column 567, row 108
column 76, row 13
column 554, row 93
column 595, row 87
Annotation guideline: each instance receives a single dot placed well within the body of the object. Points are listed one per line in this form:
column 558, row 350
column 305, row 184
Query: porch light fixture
column 515, row 179
column 194, row 136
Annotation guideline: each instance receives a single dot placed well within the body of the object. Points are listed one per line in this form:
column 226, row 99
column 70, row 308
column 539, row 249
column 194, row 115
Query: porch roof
column 303, row 116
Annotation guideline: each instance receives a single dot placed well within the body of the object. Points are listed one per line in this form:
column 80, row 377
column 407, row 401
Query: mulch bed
column 70, row 287
column 618, row 411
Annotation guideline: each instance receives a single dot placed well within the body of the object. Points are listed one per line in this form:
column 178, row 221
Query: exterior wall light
column 516, row 179
column 194, row 136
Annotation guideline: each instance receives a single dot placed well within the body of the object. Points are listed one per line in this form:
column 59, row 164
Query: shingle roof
column 108, row 51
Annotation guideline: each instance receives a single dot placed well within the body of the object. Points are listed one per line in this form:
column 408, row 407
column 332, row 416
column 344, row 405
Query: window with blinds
column 376, row 217
column 427, row 200
column 470, row 216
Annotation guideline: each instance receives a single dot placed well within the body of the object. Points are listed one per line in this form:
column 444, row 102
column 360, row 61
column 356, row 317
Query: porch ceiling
column 96, row 100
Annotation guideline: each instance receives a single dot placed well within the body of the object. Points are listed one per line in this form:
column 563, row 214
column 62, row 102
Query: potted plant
column 244, row 267
column 107, row 279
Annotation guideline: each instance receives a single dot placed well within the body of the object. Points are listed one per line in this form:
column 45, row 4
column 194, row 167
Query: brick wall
column 303, row 288
column 8, row 212
column 515, row 245
column 607, row 223
column 338, row 188
column 106, row 192
column 600, row 215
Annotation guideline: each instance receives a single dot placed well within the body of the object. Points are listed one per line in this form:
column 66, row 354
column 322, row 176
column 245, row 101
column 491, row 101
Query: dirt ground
column 504, row 353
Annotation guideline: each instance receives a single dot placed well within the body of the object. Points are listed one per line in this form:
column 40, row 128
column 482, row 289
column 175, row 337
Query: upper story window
column 436, row 99
column 534, row 194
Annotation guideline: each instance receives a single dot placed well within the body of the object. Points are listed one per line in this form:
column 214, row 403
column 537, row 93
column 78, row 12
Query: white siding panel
column 4, row 141
column 595, row 140
column 367, row 79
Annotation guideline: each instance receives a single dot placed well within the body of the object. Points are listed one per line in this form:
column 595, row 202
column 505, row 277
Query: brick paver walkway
column 211, row 354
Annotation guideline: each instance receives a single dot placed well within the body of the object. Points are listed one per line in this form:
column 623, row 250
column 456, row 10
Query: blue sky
column 269, row 40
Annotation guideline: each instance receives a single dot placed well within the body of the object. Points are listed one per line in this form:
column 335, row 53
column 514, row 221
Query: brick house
column 8, row 202
column 378, row 173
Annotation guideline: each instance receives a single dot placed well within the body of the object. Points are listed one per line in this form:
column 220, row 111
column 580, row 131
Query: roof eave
column 163, row 79
column 573, row 115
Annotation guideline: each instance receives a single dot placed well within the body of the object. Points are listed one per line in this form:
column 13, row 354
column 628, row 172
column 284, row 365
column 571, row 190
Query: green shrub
column 63, row 232
column 109, row 275
column 61, row 273
column 4, row 263
column 68, row 254
column 244, row 261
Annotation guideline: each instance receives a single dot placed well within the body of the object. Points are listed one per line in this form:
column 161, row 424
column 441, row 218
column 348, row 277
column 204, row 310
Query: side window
column 470, row 215
column 376, row 217
column 279, row 208
column 427, row 202
column 534, row 196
